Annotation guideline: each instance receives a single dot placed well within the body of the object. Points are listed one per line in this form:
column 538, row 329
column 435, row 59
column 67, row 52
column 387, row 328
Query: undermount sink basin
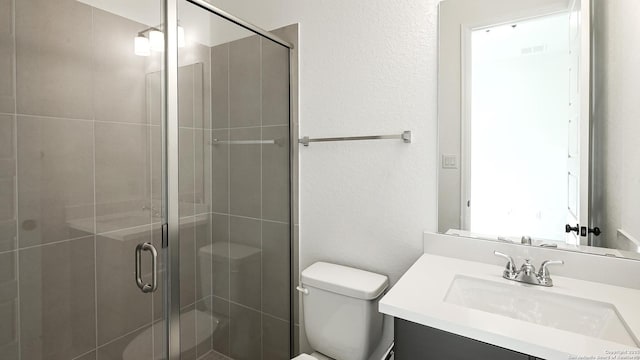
column 529, row 303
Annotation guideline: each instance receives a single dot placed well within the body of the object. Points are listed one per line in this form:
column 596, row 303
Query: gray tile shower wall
column 54, row 58
column 7, row 89
column 56, row 315
column 56, row 178
column 244, row 82
column 251, row 196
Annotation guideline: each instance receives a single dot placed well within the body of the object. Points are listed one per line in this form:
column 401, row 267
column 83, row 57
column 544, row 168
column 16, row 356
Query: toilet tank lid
column 345, row 280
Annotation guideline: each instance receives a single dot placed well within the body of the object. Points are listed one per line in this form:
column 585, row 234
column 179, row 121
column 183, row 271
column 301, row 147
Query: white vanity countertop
column 419, row 297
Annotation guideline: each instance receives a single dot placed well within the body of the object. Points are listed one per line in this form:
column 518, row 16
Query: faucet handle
column 511, row 264
column 544, row 272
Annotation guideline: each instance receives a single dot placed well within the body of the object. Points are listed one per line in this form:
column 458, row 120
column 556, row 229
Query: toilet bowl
column 340, row 306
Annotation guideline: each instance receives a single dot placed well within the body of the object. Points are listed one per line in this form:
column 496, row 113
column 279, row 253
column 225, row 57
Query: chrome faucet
column 527, row 273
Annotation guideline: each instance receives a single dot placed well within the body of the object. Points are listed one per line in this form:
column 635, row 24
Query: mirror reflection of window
column 518, row 131
column 492, row 188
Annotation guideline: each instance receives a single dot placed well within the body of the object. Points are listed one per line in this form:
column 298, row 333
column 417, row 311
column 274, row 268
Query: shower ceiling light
column 156, row 39
column 141, row 45
column 153, row 39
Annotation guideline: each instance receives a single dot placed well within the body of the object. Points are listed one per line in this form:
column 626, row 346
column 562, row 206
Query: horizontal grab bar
column 405, row 136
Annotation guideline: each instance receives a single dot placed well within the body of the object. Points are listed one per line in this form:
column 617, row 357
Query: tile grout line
column 128, row 333
column 261, row 214
column 14, row 120
column 95, row 241
column 250, row 218
column 249, row 308
column 17, row 241
column 117, row 230
column 210, row 185
column 95, row 207
column 86, row 120
column 106, row 121
column 275, row 317
column 16, row 113
column 58, row 242
column 251, row 127
column 14, row 58
column 188, row 306
column 85, row 353
column 203, row 199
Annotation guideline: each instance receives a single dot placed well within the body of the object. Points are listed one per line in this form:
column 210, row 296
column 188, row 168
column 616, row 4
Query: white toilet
column 340, row 306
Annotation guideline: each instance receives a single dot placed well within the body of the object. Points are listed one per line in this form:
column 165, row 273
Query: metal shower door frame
column 171, row 171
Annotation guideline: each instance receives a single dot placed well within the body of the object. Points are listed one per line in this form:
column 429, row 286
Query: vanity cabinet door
column 414, row 341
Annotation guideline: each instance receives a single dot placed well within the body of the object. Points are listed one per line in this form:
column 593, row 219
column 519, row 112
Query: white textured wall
column 366, row 67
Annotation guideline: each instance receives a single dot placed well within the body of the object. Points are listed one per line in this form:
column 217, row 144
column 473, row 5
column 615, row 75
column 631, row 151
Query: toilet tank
column 340, row 307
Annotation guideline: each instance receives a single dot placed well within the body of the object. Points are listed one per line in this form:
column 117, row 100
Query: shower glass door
column 126, row 230
column 234, row 204
column 80, row 181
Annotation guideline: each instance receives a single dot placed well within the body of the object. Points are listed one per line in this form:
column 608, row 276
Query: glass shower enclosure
column 144, row 183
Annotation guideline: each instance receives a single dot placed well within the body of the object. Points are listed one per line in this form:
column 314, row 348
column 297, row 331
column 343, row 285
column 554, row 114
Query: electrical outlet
column 449, row 161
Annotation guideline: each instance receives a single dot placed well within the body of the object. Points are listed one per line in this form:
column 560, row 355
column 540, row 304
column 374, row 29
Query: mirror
column 538, row 120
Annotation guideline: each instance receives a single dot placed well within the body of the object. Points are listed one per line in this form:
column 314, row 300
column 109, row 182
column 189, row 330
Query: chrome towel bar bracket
column 405, row 137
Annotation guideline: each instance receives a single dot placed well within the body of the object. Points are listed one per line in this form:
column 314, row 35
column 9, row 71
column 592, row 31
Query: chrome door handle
column 147, row 288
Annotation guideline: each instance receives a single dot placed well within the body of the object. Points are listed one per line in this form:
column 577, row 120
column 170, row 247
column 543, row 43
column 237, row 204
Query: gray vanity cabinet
column 418, row 342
